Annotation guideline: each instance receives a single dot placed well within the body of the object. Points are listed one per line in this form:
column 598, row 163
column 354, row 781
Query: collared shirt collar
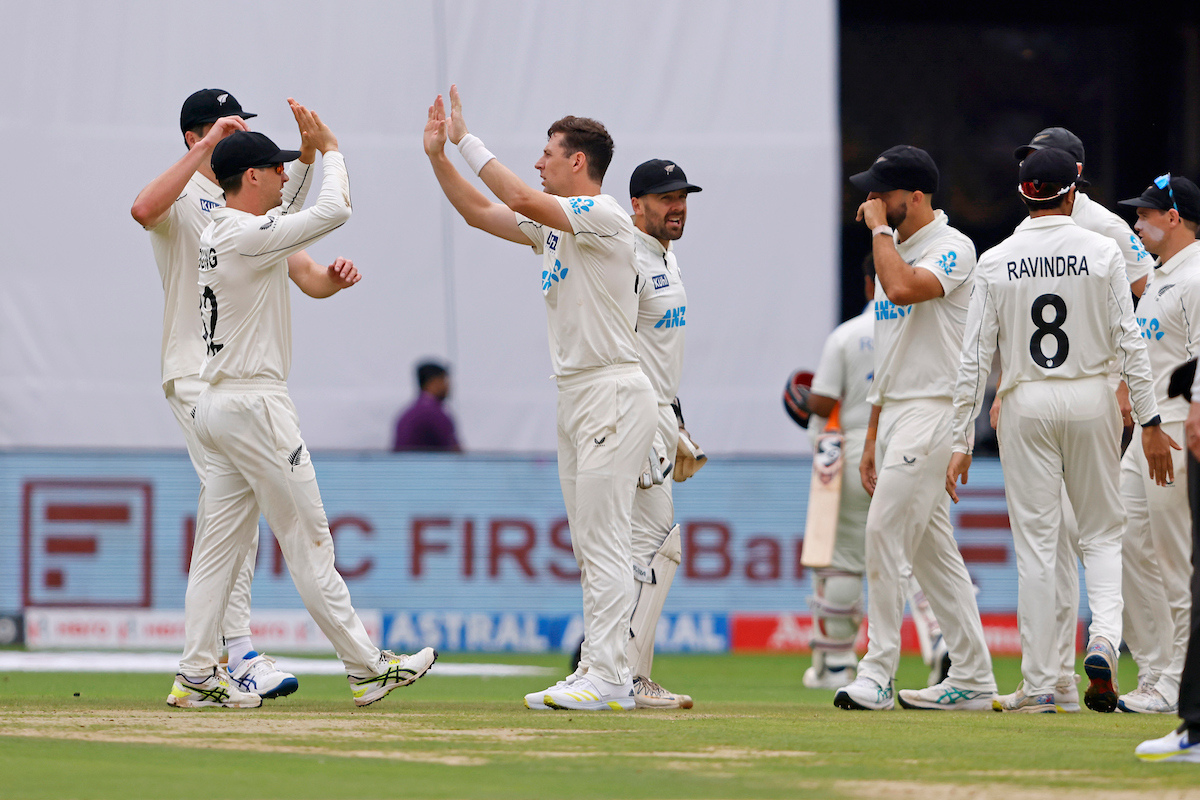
column 1191, row 251
column 654, row 244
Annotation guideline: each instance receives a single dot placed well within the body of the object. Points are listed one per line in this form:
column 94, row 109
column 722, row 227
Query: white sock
column 238, row 647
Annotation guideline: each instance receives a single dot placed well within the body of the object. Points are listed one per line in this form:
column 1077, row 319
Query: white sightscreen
column 741, row 95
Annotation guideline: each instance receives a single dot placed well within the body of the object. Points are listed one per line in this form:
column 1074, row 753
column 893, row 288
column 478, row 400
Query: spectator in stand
column 425, row 425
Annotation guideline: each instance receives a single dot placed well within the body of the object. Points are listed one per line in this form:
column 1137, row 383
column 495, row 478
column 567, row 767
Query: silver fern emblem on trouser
column 294, row 458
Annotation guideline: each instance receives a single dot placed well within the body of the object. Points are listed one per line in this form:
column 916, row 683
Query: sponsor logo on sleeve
column 581, row 205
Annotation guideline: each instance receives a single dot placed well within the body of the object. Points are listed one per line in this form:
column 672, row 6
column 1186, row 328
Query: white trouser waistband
column 258, row 385
column 589, row 375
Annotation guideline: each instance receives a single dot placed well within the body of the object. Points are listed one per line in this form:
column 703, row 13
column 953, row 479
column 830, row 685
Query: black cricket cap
column 209, row 105
column 1061, row 138
column 900, row 167
column 1183, row 195
column 1048, row 173
column 241, row 150
column 659, row 176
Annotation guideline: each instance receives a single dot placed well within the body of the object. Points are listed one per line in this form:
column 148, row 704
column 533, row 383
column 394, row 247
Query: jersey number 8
column 1052, row 327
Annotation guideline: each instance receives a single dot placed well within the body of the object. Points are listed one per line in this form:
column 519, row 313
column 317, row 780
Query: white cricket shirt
column 245, row 306
column 1092, row 216
column 1053, row 299
column 917, row 345
column 176, row 242
column 1168, row 316
column 847, row 367
column 662, row 305
column 589, row 280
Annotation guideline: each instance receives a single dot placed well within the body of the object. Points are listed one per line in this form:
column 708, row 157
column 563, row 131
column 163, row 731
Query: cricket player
column 1139, row 625
column 255, row 456
column 174, row 208
column 844, row 375
column 1158, row 529
column 606, row 406
column 1054, row 301
column 925, row 271
column 1183, row 743
column 658, row 191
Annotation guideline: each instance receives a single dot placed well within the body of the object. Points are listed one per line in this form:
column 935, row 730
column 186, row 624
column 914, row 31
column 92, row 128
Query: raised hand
column 343, row 273
column 458, row 126
column 435, row 128
column 222, row 128
column 314, row 134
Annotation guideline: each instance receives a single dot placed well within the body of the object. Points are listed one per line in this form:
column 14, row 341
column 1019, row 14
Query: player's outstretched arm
column 154, row 202
column 474, row 207
column 317, row 280
column 960, row 465
column 504, row 183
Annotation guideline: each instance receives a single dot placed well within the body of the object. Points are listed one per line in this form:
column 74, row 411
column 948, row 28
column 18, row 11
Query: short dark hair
column 581, row 134
column 198, row 130
column 232, row 184
column 1045, row 205
column 428, row 370
column 868, row 266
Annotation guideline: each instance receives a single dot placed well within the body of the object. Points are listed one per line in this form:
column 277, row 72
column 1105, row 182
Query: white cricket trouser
column 849, row 548
column 182, row 395
column 909, row 534
column 654, row 508
column 1051, row 433
column 606, row 422
column 256, row 459
column 1066, row 589
column 1157, row 559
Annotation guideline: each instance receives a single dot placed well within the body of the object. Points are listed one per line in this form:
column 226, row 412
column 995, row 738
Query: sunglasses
column 1043, row 190
column 1164, row 182
column 277, row 167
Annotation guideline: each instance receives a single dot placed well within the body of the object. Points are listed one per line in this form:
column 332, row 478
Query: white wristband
column 474, row 152
column 878, row 229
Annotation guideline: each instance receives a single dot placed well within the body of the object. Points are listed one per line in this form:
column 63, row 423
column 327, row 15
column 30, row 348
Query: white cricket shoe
column 585, row 695
column 1146, row 701
column 536, row 701
column 864, row 694
column 828, row 678
column 944, row 697
column 258, row 675
column 394, row 670
column 648, row 694
column 1022, row 703
column 1178, row 745
column 1100, row 664
column 215, row 691
column 1066, row 694
column 940, row 662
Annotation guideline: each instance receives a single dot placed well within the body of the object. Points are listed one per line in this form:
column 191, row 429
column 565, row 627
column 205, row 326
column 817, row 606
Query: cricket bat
column 824, row 495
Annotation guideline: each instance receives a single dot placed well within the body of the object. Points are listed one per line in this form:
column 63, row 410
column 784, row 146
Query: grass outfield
column 755, row 732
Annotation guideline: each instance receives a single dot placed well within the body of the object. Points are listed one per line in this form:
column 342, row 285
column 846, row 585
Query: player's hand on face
column 343, row 273
column 223, row 127
column 873, row 212
column 314, row 134
column 960, row 465
column 1157, row 446
column 458, row 126
column 866, row 468
column 435, row 128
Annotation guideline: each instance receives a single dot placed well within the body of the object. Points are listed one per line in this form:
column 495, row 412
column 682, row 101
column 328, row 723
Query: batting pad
column 653, row 585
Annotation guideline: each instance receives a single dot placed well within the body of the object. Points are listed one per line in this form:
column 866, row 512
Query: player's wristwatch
column 1153, row 422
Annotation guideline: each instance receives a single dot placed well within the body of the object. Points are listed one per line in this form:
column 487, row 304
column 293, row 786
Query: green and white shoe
column 214, row 691
column 395, row 670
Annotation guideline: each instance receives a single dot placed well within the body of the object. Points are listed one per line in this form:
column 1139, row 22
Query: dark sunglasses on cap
column 1042, row 190
column 1164, row 182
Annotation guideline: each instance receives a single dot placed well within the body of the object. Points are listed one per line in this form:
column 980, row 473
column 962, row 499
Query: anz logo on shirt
column 208, row 205
column 553, row 276
column 1138, row 250
column 948, row 261
column 581, row 204
column 886, row 309
column 1151, row 329
column 672, row 319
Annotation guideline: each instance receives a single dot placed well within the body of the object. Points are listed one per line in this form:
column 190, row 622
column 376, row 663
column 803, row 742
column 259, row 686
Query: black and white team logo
column 208, row 259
